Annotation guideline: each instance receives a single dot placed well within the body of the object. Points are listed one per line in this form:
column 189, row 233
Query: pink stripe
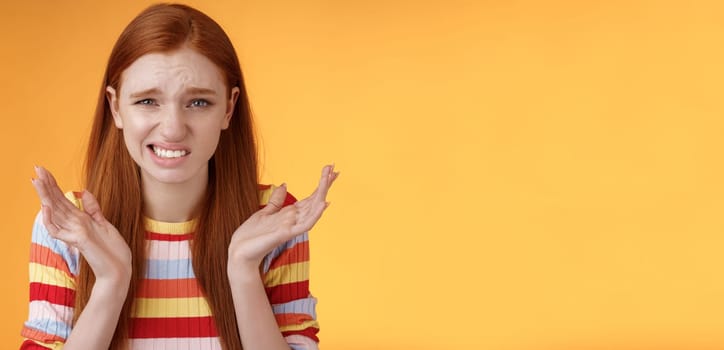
column 175, row 343
column 301, row 342
column 168, row 250
column 41, row 309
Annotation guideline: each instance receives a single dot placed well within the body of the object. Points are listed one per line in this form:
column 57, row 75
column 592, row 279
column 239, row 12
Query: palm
column 96, row 239
column 272, row 225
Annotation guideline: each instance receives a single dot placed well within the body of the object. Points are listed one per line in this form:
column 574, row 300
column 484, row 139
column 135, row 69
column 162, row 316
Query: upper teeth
column 165, row 153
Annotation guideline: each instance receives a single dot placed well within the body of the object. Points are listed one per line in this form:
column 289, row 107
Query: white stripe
column 169, row 250
column 50, row 318
column 175, row 344
column 300, row 342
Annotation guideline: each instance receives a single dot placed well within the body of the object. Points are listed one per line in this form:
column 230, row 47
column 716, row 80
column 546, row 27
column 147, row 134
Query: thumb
column 90, row 206
column 276, row 200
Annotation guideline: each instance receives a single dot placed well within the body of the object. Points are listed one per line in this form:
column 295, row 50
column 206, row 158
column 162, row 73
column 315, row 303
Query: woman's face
column 172, row 107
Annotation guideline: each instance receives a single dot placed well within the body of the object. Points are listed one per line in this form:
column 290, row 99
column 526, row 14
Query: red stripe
column 31, row 345
column 289, row 199
column 53, row 294
column 167, row 237
column 284, row 293
column 173, row 327
column 310, row 332
column 46, row 256
column 40, row 336
column 173, row 288
column 297, row 253
column 292, row 319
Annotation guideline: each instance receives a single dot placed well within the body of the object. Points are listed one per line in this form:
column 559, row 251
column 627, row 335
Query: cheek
column 134, row 131
column 211, row 140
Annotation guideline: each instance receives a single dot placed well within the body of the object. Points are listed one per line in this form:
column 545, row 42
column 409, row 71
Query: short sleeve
column 286, row 280
column 53, row 267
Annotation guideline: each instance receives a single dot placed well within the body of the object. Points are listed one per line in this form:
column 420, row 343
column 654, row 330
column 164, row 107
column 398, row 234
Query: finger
column 334, row 177
column 276, row 200
column 325, row 182
column 321, row 190
column 306, row 222
column 91, row 206
column 52, row 228
column 320, row 193
column 47, row 200
column 61, row 204
column 40, row 190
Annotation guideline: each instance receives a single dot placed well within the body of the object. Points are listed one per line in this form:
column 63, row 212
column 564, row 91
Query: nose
column 173, row 125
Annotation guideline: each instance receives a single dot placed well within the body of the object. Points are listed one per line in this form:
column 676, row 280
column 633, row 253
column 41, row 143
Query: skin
column 179, row 101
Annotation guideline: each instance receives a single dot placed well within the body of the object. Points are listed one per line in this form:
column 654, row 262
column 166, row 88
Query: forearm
column 257, row 325
column 97, row 323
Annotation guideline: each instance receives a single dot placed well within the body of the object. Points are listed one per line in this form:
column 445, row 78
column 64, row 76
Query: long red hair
column 232, row 191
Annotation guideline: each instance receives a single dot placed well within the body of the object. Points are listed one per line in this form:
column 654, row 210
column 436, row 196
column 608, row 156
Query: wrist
column 243, row 273
column 111, row 290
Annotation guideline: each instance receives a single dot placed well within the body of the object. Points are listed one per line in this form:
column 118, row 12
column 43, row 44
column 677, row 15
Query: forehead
column 172, row 71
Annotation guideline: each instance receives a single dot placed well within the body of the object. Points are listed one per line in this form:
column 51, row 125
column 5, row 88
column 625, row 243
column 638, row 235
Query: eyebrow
column 155, row 91
column 138, row 94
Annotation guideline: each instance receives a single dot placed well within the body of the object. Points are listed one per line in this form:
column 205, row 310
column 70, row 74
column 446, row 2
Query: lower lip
column 166, row 162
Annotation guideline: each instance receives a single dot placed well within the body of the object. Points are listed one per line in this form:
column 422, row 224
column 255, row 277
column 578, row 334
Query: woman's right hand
column 96, row 239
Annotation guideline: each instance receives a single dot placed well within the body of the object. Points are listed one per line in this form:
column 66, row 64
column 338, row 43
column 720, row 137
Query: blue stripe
column 169, row 269
column 299, row 306
column 45, row 325
column 42, row 237
column 299, row 346
column 269, row 258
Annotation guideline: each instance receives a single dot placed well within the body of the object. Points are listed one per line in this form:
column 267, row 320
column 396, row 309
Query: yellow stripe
column 264, row 195
column 171, row 307
column 40, row 273
column 76, row 201
column 170, row 228
column 53, row 346
column 287, row 274
column 299, row 327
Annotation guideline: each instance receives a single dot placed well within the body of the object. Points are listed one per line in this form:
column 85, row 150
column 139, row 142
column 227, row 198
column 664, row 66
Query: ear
column 230, row 106
column 113, row 104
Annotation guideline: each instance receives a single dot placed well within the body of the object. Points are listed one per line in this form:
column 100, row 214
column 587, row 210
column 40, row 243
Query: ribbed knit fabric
column 169, row 310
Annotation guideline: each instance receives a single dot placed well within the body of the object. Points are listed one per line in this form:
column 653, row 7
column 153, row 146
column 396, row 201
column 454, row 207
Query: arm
column 89, row 234
column 257, row 326
column 53, row 269
column 270, row 227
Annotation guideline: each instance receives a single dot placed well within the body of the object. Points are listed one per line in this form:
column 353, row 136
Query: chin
column 171, row 176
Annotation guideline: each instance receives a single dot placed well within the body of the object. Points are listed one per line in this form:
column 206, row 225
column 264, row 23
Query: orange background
column 515, row 174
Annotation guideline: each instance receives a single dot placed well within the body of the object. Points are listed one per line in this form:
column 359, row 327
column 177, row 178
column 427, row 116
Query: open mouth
column 168, row 153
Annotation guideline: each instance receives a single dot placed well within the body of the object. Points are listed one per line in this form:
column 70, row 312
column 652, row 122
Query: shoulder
column 265, row 192
column 49, row 252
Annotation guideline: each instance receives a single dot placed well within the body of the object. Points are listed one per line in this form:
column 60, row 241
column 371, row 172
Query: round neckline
column 169, row 228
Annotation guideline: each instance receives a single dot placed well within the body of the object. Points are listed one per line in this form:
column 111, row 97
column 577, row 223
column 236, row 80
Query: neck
column 177, row 202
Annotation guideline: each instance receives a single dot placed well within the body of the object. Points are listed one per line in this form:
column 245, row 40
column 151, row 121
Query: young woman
column 174, row 244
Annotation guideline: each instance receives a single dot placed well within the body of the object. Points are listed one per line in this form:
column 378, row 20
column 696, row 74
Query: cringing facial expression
column 172, row 107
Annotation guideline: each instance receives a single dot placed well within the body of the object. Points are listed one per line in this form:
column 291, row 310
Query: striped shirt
column 169, row 309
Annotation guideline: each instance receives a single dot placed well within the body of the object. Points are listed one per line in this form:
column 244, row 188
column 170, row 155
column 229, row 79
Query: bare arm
column 262, row 232
column 257, row 326
column 96, row 325
column 105, row 251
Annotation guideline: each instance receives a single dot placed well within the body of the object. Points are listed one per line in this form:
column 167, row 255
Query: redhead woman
column 174, row 244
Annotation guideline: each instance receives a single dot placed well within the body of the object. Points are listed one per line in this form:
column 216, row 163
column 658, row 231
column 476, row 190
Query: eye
column 146, row 102
column 200, row 103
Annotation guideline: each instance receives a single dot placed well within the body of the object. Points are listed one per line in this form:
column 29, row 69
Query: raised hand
column 96, row 239
column 273, row 225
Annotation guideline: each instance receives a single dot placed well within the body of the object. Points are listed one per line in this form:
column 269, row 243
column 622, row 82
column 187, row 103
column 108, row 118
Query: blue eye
column 146, row 101
column 200, row 103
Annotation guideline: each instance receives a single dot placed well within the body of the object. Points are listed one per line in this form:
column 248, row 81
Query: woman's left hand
column 273, row 225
